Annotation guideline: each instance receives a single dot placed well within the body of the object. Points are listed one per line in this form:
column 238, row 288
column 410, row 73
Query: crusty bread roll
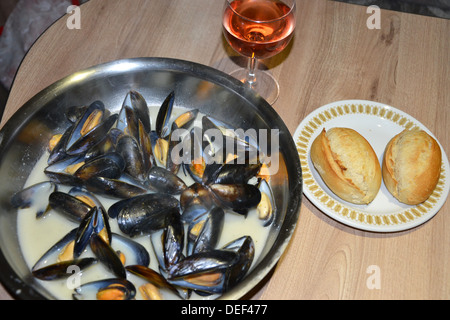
column 347, row 164
column 412, row 166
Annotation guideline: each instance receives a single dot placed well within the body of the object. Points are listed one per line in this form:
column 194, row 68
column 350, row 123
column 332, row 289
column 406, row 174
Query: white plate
column 378, row 123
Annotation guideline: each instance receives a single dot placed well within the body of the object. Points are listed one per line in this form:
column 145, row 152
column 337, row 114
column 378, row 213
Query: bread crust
column 347, row 164
column 411, row 166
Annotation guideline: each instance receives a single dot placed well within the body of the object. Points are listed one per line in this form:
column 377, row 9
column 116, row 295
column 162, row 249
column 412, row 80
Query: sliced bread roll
column 347, row 164
column 412, row 166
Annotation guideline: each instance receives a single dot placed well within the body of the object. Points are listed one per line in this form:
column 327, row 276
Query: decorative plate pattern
column 378, row 123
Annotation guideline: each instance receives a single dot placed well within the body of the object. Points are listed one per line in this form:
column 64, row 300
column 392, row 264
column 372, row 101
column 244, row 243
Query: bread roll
column 347, row 164
column 412, row 166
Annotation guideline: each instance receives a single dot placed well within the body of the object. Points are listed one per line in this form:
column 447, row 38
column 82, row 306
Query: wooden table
column 333, row 56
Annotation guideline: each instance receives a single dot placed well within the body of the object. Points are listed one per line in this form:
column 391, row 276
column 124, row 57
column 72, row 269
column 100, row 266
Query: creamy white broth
column 36, row 236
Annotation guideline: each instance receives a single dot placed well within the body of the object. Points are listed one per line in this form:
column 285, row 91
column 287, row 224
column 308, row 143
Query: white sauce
column 36, row 236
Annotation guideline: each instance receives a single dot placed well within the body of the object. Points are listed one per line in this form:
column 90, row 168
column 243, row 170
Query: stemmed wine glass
column 259, row 29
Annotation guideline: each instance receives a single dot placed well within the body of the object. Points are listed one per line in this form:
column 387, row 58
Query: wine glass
column 259, row 29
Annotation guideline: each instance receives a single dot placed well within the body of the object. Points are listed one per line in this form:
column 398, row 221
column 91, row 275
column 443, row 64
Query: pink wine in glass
column 258, row 28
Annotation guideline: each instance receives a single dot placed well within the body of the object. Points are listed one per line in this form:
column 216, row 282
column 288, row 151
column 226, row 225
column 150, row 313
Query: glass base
column 265, row 84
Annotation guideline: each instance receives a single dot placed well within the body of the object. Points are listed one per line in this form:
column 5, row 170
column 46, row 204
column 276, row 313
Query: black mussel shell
column 107, row 255
column 163, row 117
column 34, row 196
column 91, row 290
column 204, row 232
column 146, row 213
column 124, row 187
column 238, row 197
column 139, row 252
column 165, row 181
column 207, row 271
column 68, row 205
column 128, row 147
column 61, row 270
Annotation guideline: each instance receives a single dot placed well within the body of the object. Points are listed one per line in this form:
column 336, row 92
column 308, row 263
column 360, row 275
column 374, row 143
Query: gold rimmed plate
column 378, row 123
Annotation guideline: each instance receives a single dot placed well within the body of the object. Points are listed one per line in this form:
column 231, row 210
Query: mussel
column 53, row 265
column 162, row 180
column 109, row 165
column 266, row 208
column 60, row 270
column 228, row 173
column 216, row 270
column 207, row 271
column 129, row 149
column 195, row 201
column 152, row 277
column 35, row 196
column 245, row 247
column 106, row 289
column 71, row 207
column 123, row 187
column 163, row 117
column 107, row 255
column 134, row 109
column 90, row 129
column 63, row 171
column 204, row 231
column 144, row 214
column 94, row 223
column 166, row 136
column 237, row 197
column 173, row 241
column 134, row 253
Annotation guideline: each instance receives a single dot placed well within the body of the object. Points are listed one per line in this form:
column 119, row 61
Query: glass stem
column 251, row 77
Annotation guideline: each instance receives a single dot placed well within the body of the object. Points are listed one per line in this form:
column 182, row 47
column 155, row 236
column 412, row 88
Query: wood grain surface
column 333, row 56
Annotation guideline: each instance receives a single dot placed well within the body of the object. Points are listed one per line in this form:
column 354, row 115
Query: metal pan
column 24, row 138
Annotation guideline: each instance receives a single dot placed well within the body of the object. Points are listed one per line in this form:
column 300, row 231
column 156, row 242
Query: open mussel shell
column 215, row 270
column 35, row 196
column 106, row 146
column 107, row 255
column 204, row 232
column 152, row 277
column 107, row 289
column 173, row 241
column 238, row 197
column 195, row 201
column 109, row 165
column 230, row 173
column 245, row 247
column 135, row 253
column 134, row 109
column 127, row 121
column 207, row 271
column 62, row 270
column 90, row 129
column 58, row 152
column 163, row 118
column 267, row 208
column 52, row 253
column 62, row 171
column 123, row 187
column 94, row 223
column 195, row 166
